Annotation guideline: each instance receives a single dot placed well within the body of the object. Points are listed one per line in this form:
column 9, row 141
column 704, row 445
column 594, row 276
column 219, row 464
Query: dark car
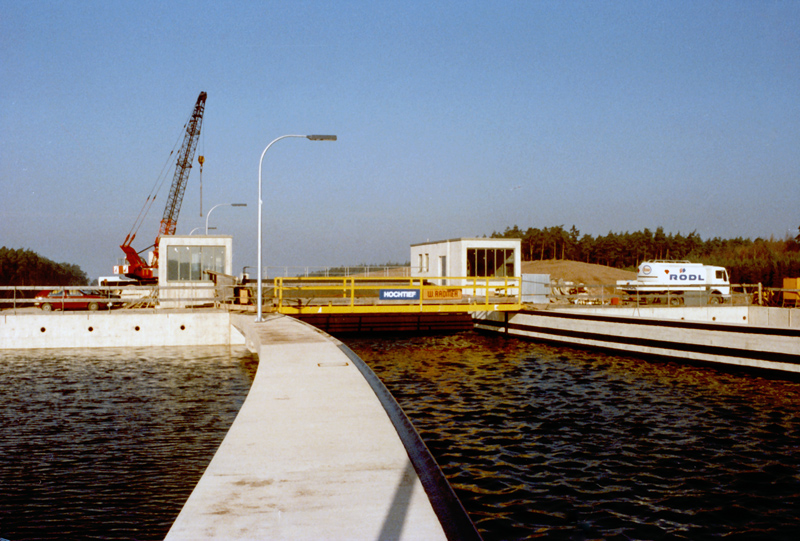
column 74, row 299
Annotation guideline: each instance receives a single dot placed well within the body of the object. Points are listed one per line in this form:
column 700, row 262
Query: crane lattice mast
column 169, row 222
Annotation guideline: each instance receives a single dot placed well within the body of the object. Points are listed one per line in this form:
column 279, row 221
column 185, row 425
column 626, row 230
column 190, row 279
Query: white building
column 459, row 261
column 182, row 264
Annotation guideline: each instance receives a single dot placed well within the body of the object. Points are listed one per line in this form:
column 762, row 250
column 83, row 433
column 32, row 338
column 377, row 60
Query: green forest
column 20, row 267
column 765, row 261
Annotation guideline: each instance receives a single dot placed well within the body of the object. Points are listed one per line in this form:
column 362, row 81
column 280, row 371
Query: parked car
column 75, row 299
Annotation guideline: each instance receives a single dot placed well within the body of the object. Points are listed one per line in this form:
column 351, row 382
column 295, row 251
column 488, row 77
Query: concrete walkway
column 312, row 454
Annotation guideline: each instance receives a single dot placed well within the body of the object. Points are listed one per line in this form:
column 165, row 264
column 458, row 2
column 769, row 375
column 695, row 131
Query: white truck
column 673, row 282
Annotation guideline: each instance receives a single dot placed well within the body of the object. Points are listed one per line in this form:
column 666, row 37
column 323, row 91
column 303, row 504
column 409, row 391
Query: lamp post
column 260, row 202
column 222, row 205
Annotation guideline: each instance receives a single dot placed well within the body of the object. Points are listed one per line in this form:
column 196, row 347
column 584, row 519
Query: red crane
column 137, row 268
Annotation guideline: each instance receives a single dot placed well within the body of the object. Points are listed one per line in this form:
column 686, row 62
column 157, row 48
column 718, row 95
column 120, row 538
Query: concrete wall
column 760, row 316
column 117, row 329
column 704, row 314
column 774, row 317
column 711, row 339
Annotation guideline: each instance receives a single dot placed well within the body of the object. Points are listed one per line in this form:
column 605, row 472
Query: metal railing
column 609, row 294
column 772, row 296
column 328, row 271
column 321, row 294
column 106, row 298
column 360, row 294
column 291, row 295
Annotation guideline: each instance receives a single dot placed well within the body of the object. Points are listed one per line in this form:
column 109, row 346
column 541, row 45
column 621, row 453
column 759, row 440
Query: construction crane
column 137, row 268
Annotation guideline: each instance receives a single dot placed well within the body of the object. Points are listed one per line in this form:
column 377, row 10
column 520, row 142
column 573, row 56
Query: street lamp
column 222, row 205
column 310, row 138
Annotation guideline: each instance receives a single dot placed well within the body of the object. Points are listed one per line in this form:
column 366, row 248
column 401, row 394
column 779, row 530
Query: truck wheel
column 716, row 298
column 675, row 300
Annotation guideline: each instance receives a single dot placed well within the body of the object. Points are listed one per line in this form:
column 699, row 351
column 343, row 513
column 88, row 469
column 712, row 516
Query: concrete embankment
column 318, row 451
column 131, row 328
column 751, row 336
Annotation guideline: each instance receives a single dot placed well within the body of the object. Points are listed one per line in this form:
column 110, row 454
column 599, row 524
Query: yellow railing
column 350, row 294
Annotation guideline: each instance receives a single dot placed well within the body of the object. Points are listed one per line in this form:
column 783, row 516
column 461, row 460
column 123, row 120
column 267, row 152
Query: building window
column 189, row 263
column 491, row 262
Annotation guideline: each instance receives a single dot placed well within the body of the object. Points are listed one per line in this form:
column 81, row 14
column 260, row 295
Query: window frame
column 193, row 260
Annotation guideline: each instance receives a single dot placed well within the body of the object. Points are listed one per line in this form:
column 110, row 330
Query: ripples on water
column 549, row 442
column 537, row 441
column 108, row 444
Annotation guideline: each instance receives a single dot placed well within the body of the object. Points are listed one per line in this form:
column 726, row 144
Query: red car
column 73, row 299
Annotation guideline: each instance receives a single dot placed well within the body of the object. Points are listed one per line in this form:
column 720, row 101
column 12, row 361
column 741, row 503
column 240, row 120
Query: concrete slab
column 311, row 455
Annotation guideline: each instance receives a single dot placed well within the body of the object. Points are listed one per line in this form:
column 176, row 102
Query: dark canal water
column 538, row 442
column 109, row 443
column 544, row 442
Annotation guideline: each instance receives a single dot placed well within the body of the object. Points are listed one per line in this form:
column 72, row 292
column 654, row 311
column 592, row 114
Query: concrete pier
column 315, row 453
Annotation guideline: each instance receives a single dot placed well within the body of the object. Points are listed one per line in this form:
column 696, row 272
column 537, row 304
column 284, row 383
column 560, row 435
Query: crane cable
column 201, row 158
column 148, row 202
column 159, row 182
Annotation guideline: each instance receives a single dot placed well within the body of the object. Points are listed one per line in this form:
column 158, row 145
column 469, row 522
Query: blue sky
column 455, row 119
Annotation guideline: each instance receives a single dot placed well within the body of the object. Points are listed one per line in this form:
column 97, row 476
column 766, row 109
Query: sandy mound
column 558, row 269
column 577, row 272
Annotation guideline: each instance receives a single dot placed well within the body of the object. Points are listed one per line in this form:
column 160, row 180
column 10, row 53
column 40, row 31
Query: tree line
column 765, row 261
column 19, row 267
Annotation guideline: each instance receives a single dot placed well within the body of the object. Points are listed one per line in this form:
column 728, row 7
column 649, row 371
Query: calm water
column 537, row 441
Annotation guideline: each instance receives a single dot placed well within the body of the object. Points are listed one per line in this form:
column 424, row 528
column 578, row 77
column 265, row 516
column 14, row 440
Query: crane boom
column 137, row 268
column 185, row 157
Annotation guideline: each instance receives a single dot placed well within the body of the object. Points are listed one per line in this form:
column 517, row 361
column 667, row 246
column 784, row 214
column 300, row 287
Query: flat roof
column 195, row 236
column 464, row 238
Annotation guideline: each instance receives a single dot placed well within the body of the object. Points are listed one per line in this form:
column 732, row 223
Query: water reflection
column 541, row 441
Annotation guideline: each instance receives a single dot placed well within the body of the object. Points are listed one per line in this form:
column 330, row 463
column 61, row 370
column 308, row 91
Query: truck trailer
column 674, row 282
